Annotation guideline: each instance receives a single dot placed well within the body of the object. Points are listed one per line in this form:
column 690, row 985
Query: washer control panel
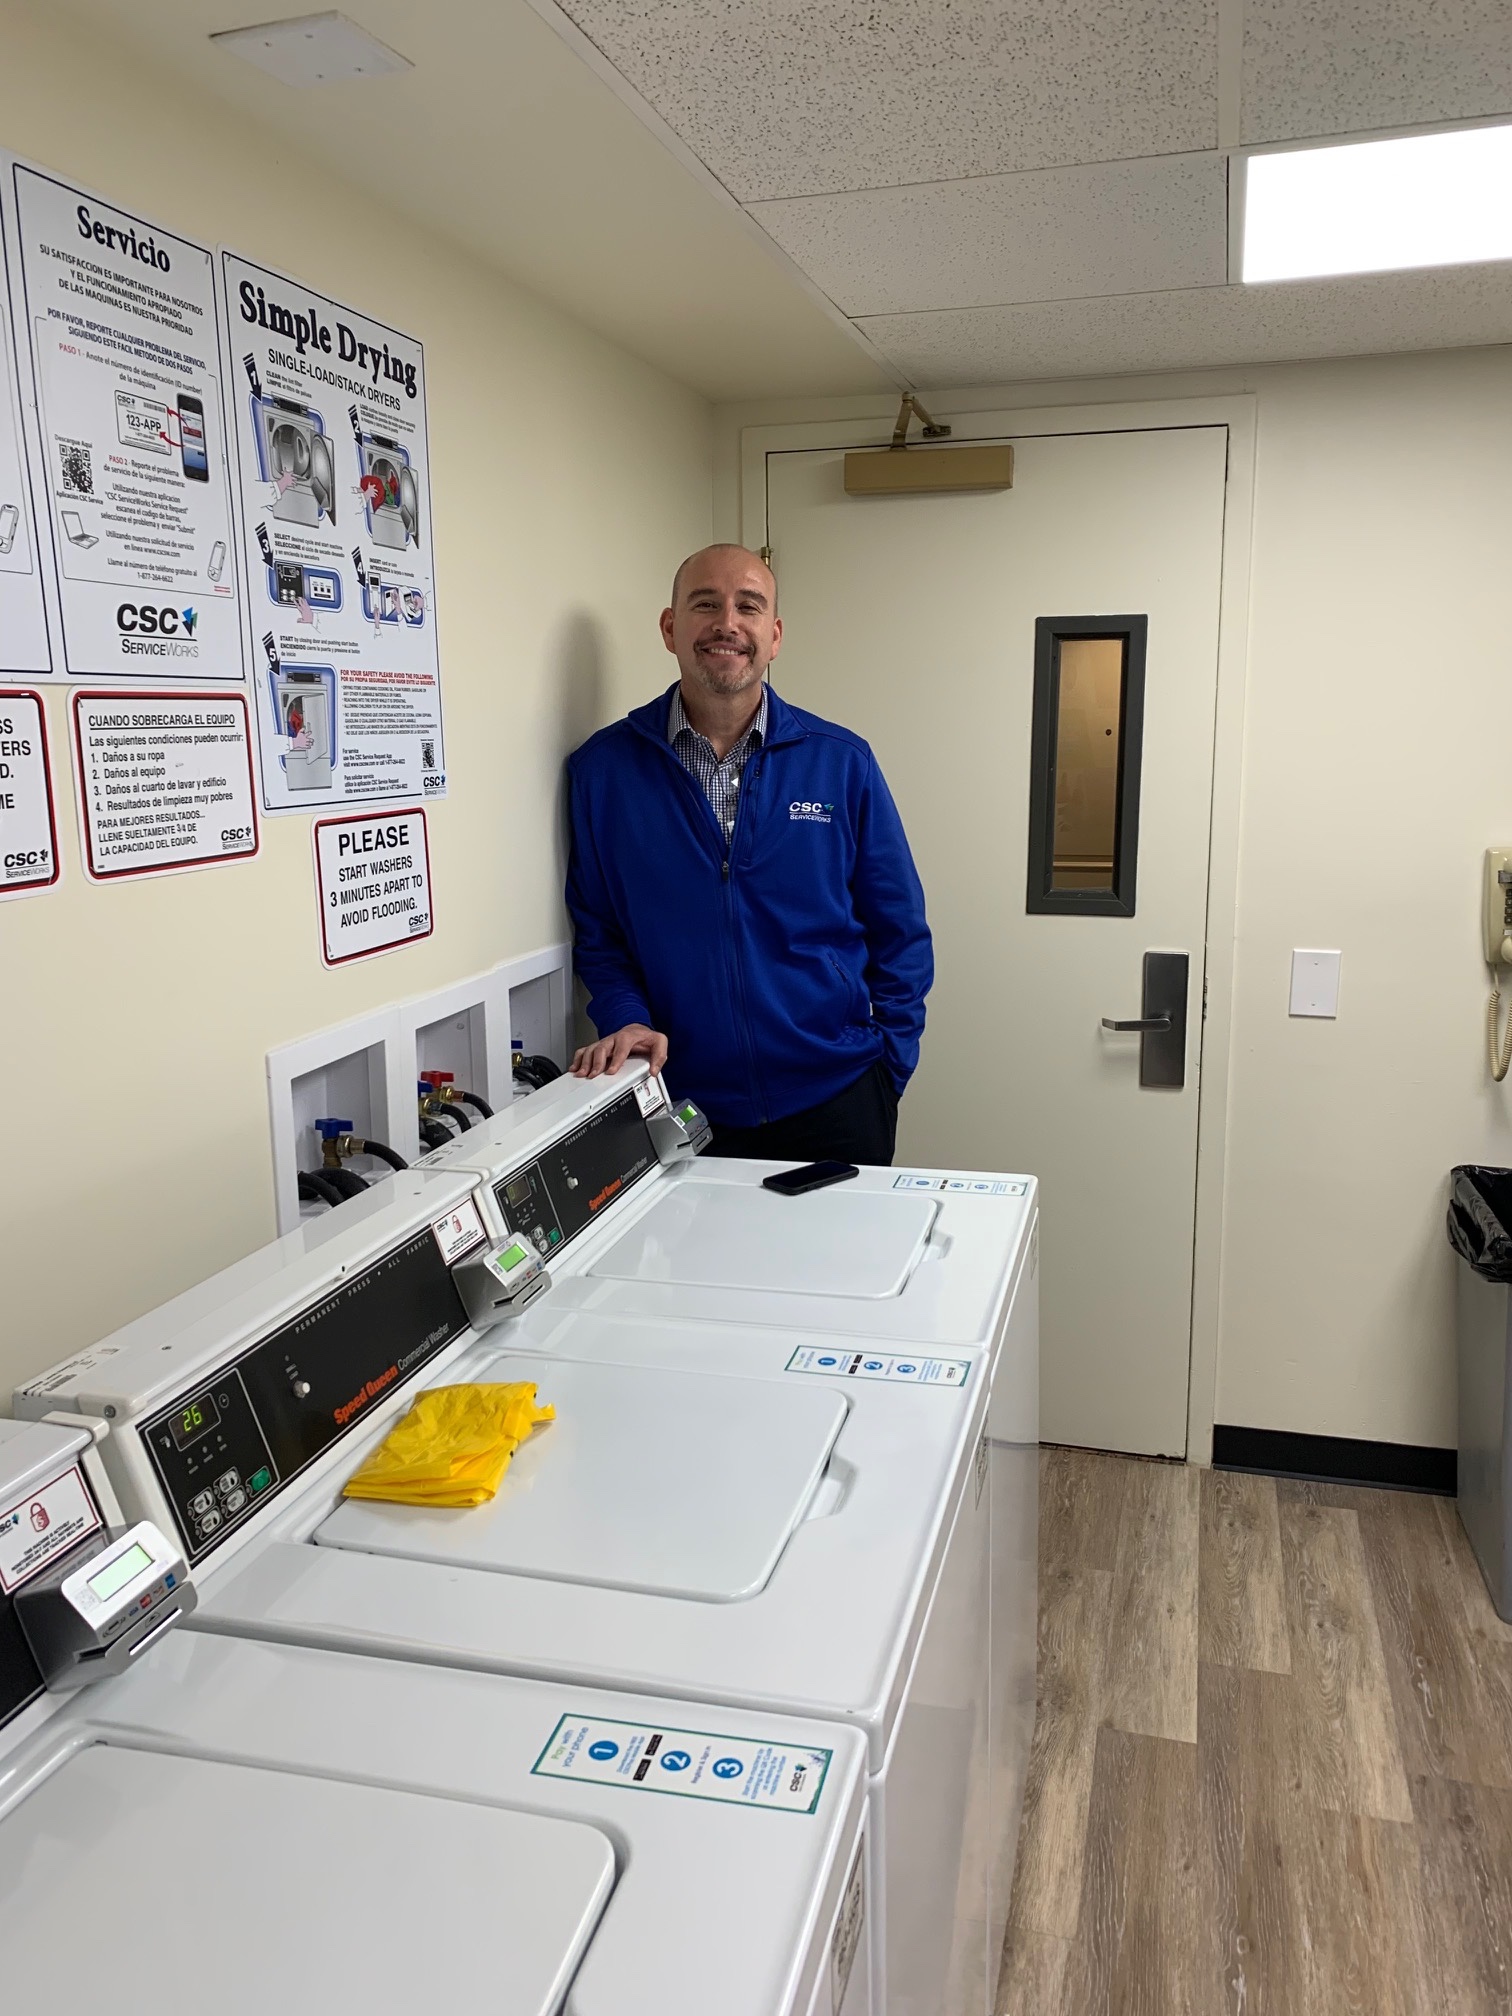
column 552, row 1199
column 234, row 1441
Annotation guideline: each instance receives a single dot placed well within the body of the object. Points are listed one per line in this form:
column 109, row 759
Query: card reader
column 87, row 1620
column 500, row 1282
column 680, row 1133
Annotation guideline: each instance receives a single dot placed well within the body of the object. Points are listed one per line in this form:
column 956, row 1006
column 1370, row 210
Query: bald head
column 707, row 561
column 723, row 624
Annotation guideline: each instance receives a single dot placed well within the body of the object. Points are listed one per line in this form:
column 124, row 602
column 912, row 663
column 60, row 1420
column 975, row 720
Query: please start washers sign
column 372, row 876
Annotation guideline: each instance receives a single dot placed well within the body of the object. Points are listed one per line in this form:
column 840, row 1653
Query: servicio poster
column 333, row 468
column 131, row 478
column 165, row 781
column 23, row 612
column 28, row 821
column 372, row 879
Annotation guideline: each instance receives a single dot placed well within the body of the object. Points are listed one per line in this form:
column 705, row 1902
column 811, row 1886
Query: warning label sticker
column 685, row 1763
column 896, row 1367
column 459, row 1231
column 46, row 1522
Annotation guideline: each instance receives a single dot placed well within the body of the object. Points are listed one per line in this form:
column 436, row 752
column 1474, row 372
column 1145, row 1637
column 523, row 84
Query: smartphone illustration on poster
column 217, row 559
column 192, row 438
column 10, row 518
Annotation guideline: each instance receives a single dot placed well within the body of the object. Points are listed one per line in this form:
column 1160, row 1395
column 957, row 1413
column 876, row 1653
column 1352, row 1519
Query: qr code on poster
column 78, row 468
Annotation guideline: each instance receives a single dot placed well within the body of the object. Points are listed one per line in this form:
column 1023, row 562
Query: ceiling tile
column 1355, row 66
column 1445, row 308
column 806, row 97
column 1050, row 234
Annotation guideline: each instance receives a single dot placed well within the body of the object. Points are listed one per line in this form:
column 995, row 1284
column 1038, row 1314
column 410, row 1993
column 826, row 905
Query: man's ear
column 776, row 635
column 666, row 629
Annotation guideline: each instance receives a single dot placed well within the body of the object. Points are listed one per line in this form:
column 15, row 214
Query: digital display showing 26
column 195, row 1418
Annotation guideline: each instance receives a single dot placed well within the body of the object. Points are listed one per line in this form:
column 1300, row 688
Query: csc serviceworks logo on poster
column 156, row 630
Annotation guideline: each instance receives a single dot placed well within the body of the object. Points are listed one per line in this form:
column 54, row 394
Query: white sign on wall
column 372, row 878
column 131, row 477
column 333, row 485
column 23, row 613
column 28, row 819
column 165, row 781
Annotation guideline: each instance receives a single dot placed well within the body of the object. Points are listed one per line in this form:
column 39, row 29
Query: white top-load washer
column 920, row 1265
column 778, row 1531
column 244, row 1826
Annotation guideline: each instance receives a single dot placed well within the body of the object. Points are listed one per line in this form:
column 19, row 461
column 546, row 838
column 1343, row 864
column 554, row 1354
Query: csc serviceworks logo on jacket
column 809, row 808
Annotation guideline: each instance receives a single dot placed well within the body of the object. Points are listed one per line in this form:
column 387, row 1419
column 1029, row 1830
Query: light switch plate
column 1315, row 983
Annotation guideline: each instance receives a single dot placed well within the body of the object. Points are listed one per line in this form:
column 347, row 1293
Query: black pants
column 859, row 1124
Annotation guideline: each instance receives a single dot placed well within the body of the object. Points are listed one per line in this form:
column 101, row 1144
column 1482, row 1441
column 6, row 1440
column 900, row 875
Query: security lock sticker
column 898, row 1368
column 685, row 1763
column 45, row 1522
column 459, row 1231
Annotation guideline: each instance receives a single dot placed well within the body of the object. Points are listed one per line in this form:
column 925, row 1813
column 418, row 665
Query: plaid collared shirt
column 719, row 777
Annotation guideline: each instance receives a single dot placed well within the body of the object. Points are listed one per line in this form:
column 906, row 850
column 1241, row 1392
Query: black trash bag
column 1480, row 1220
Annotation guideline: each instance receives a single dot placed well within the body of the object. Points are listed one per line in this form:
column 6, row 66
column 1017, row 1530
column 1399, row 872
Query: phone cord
column 1499, row 1054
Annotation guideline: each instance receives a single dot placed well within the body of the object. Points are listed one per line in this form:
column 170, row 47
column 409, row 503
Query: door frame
column 972, row 418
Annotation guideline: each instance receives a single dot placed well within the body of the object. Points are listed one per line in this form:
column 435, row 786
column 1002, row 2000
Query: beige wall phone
column 1496, row 918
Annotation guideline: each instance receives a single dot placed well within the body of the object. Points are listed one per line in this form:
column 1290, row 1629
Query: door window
column 1084, row 777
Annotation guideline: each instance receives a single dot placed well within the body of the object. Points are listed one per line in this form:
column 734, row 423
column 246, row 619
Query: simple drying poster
column 334, row 490
column 130, row 477
column 23, row 611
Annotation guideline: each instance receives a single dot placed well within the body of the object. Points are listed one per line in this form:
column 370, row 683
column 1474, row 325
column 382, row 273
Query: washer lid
column 839, row 1241
column 665, row 1482
column 173, row 1884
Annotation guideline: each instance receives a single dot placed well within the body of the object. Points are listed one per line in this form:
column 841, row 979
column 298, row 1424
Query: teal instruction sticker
column 685, row 1763
column 898, row 1368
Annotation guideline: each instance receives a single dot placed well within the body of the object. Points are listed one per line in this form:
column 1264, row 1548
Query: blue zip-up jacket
column 780, row 968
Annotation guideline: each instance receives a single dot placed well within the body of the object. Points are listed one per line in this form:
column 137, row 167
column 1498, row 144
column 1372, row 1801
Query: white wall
column 568, row 480
column 1377, row 767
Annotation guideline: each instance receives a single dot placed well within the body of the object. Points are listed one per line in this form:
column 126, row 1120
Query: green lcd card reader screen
column 510, row 1257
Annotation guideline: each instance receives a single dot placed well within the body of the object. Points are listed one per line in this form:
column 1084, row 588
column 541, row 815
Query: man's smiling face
column 723, row 624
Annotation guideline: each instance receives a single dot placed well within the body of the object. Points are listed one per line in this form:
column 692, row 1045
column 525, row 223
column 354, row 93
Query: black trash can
column 1480, row 1231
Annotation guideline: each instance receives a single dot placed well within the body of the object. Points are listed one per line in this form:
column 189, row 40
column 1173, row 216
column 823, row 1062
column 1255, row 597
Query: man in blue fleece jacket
column 744, row 903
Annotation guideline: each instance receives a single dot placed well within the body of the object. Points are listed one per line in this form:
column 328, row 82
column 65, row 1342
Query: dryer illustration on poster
column 293, row 455
column 390, row 488
column 304, row 714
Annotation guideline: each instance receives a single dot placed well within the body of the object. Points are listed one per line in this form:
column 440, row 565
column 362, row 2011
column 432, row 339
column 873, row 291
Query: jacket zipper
column 742, row 1005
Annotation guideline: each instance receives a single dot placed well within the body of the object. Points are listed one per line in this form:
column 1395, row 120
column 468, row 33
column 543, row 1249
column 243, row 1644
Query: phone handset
column 1496, row 922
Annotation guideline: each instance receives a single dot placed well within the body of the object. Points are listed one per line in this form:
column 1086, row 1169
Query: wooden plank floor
column 1272, row 1769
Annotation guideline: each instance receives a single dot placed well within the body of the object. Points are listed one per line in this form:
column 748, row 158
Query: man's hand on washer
column 610, row 1052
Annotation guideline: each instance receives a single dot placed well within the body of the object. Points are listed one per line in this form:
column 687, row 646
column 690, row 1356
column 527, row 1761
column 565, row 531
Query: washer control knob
column 300, row 1388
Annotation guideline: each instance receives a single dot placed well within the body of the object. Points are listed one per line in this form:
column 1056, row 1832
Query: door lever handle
column 1160, row 1024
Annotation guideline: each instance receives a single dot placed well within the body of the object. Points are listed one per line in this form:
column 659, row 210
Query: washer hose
column 316, row 1188
column 384, row 1154
column 482, row 1104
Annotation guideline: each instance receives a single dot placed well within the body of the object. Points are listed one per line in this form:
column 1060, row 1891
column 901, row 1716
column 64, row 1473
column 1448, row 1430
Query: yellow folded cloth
column 452, row 1448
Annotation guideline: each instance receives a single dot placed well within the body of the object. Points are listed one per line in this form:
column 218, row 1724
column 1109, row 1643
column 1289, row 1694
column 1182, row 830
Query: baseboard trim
column 1336, row 1459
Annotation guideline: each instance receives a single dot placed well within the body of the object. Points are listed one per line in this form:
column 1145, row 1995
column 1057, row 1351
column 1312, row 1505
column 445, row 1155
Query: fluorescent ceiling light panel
column 313, row 49
column 1438, row 199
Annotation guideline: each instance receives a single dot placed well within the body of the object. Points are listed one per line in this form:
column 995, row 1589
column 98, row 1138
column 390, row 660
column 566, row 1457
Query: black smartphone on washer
column 812, row 1176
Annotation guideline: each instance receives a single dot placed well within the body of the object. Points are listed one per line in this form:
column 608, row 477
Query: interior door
column 917, row 621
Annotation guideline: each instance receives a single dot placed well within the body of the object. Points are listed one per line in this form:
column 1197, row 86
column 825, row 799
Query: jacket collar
column 783, row 725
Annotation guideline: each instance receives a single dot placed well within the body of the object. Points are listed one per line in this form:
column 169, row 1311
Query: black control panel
column 236, row 1441
column 552, row 1199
